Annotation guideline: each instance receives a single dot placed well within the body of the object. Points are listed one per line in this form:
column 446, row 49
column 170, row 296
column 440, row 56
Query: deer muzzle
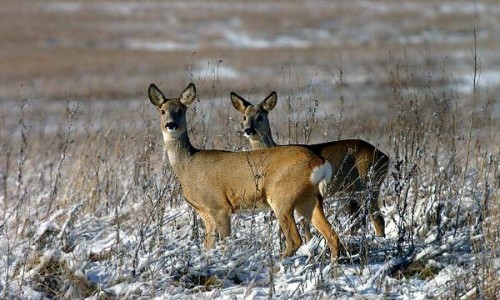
column 170, row 126
column 248, row 132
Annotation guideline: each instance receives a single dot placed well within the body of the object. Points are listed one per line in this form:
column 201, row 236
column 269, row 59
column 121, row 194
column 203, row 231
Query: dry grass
column 77, row 134
column 107, row 159
column 79, row 49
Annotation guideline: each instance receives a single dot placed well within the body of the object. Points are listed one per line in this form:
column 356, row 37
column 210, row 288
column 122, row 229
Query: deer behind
column 359, row 167
column 219, row 183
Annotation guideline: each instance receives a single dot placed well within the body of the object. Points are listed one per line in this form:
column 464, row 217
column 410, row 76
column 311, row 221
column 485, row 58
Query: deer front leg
column 210, row 230
column 353, row 209
column 223, row 220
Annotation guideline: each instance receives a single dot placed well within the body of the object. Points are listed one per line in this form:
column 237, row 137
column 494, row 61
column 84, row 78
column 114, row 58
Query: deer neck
column 262, row 142
column 179, row 151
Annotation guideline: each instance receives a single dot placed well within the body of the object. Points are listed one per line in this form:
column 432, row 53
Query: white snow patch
column 485, row 79
column 462, row 8
column 447, row 275
column 45, row 227
column 158, row 45
column 244, row 40
column 220, row 71
column 63, row 7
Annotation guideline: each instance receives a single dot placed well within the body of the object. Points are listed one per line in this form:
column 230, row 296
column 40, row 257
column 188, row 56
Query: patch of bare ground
column 109, row 49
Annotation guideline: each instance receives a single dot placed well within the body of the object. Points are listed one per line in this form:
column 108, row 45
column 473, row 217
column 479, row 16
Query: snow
column 158, row 45
column 241, row 39
column 485, row 79
column 136, row 246
column 240, row 266
column 125, row 247
column 63, row 7
column 222, row 71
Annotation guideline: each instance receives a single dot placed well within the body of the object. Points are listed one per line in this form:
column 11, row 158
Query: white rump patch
column 322, row 175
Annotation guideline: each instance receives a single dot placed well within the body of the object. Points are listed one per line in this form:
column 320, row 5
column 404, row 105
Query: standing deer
column 219, row 183
column 359, row 166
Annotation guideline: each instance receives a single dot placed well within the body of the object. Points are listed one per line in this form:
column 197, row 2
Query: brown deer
column 359, row 166
column 219, row 183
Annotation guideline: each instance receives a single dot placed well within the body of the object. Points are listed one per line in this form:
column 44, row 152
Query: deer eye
column 244, row 118
column 162, row 112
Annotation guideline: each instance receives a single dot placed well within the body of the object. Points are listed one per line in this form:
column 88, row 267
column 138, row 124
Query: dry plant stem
column 21, row 189
column 406, row 148
column 5, row 175
column 6, row 289
column 339, row 84
column 70, row 113
column 475, row 93
column 5, row 148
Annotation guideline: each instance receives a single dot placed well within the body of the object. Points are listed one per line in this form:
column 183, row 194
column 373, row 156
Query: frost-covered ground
column 168, row 264
column 96, row 214
column 89, row 209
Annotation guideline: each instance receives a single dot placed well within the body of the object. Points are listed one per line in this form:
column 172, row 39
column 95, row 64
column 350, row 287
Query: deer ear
column 155, row 95
column 270, row 102
column 188, row 95
column 239, row 103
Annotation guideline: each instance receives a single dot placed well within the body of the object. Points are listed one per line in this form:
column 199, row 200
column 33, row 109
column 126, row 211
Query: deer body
column 218, row 183
column 359, row 167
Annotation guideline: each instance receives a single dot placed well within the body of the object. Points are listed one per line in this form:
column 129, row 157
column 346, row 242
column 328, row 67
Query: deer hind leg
column 358, row 213
column 288, row 227
column 371, row 185
column 313, row 209
column 376, row 215
column 380, row 168
column 353, row 190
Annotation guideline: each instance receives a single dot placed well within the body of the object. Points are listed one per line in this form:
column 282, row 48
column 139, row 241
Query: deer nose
column 249, row 131
column 171, row 125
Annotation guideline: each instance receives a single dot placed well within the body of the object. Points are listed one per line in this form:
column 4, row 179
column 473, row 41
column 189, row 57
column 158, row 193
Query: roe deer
column 218, row 183
column 359, row 166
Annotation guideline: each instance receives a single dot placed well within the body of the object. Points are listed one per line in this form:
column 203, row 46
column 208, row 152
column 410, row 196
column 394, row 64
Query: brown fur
column 218, row 183
column 358, row 165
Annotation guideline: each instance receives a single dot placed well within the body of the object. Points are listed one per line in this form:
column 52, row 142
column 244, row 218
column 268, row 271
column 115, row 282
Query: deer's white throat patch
column 170, row 135
column 172, row 156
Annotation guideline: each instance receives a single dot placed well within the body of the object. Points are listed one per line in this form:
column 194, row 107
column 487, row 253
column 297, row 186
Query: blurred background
column 342, row 53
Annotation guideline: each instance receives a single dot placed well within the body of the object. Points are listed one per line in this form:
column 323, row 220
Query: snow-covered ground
column 103, row 218
column 161, row 259
column 90, row 210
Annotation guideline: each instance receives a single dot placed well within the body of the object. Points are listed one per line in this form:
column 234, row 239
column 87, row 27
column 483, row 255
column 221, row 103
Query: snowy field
column 89, row 208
